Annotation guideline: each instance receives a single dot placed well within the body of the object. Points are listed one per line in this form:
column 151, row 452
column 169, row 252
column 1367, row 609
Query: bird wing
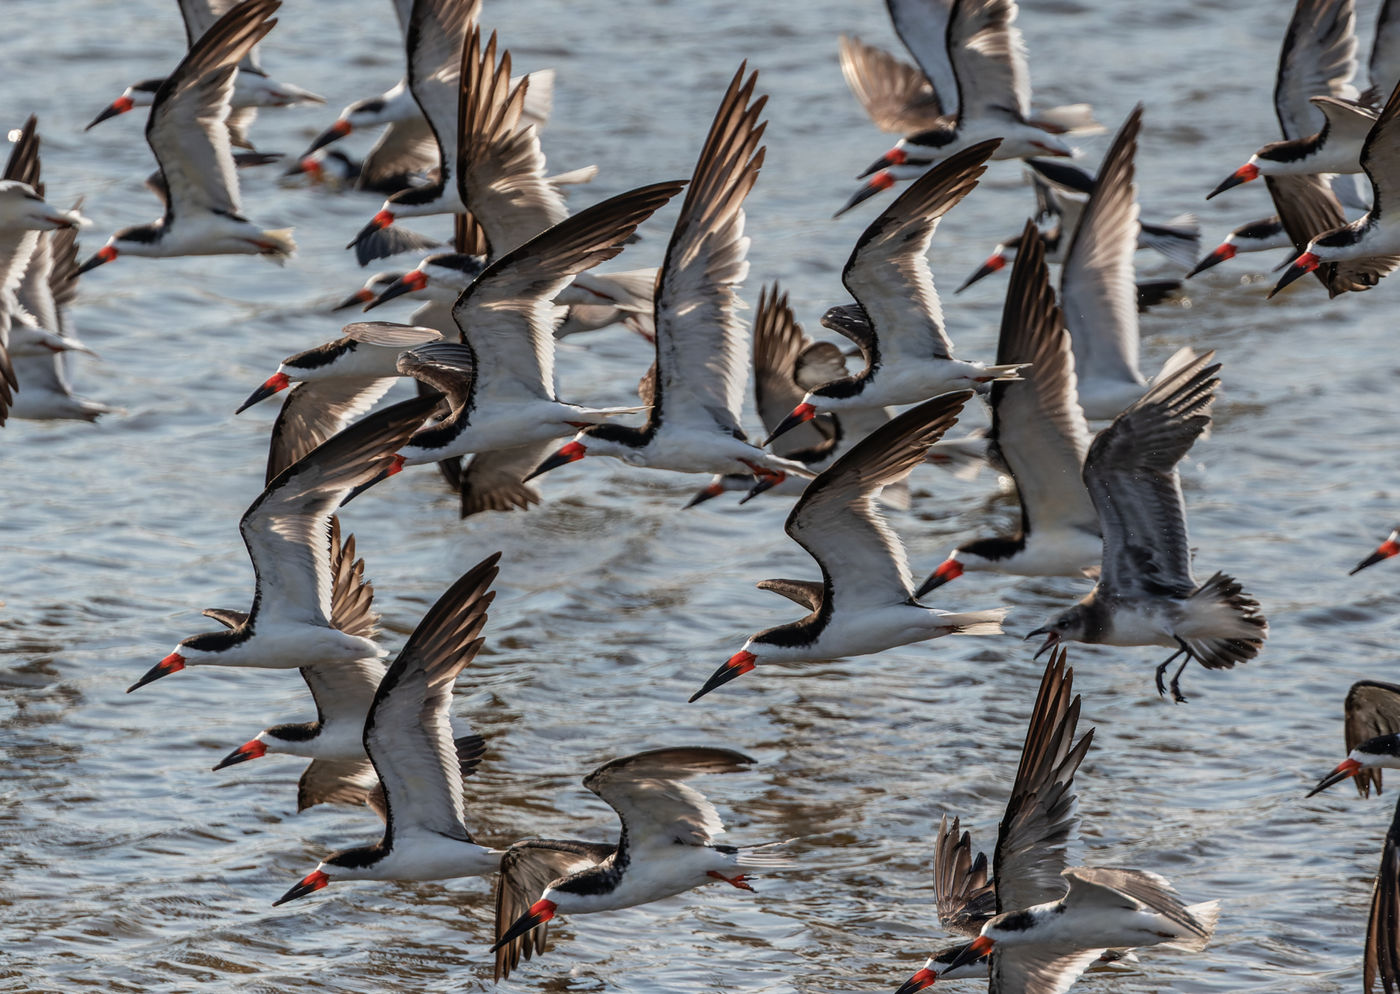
column 527, row 868
column 807, row 593
column 436, row 44
column 336, row 781
column 656, row 807
column 187, row 128
column 404, row 148
column 1098, row 290
column 701, row 345
column 962, row 892
column 495, row 481
column 1101, row 887
column 1380, row 156
column 897, row 96
column 1038, row 968
column 1038, row 427
column 313, row 412
column 352, row 596
column 988, row 56
column 287, row 527
column 34, row 293
column 1383, row 71
column 922, row 25
column 1042, row 815
column 500, row 167
column 1318, row 58
column 1382, row 957
column 1131, row 475
column 508, row 315
column 888, row 270
column 778, row 344
column 1372, row 708
column 408, row 734
column 838, row 522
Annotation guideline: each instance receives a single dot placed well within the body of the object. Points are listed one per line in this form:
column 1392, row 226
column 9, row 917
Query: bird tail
column 1009, row 372
column 1237, row 629
column 758, row 857
column 974, row 622
column 1179, row 239
column 277, row 245
column 1068, row 119
column 1207, row 914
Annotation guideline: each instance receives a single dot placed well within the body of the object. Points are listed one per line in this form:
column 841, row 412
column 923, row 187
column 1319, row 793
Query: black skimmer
column 1039, row 434
column 1253, row 236
column 499, row 379
column 332, row 384
column 1032, row 850
column 285, row 529
column 408, row 737
column 986, row 57
column 1044, row 948
column 252, row 86
column 38, row 280
column 339, row 771
column 1323, row 126
column 1387, row 549
column 1371, row 728
column 41, row 337
column 667, row 846
column 1372, row 706
column 440, row 37
column 1358, row 254
column 693, row 425
column 864, row 602
column 897, row 320
column 186, row 133
column 1146, row 593
column 786, row 364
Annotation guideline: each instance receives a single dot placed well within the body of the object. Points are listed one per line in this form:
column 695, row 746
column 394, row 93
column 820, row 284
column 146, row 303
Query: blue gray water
column 128, row 866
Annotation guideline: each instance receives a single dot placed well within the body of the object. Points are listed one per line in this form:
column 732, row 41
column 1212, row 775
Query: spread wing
column 1038, row 427
column 923, row 27
column 1372, row 708
column 1038, row 969
column 495, row 481
column 1102, row 887
column 500, row 167
column 286, row 529
column 888, row 271
column 808, row 593
column 965, row 897
column 896, row 95
column 1041, row 816
column 778, row 345
column 701, row 345
column 1318, row 59
column 1097, row 285
column 336, row 781
column 435, row 42
column 1131, row 475
column 527, row 868
column 988, row 56
column 1384, row 68
column 837, row 521
column 313, row 412
column 187, row 128
column 408, row 734
column 404, row 148
column 508, row 315
column 1382, row 958
column 649, row 795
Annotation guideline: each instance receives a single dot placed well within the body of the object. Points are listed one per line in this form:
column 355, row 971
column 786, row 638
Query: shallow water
column 129, row 866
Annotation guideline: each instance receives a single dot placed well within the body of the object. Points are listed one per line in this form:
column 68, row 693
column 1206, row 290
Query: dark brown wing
column 1372, row 708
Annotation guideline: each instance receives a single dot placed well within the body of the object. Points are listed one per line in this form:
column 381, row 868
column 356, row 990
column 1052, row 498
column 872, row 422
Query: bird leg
column 735, row 881
column 1176, row 690
column 1162, row 668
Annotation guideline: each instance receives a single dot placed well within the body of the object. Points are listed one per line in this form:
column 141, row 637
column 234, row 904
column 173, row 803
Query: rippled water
column 129, row 866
